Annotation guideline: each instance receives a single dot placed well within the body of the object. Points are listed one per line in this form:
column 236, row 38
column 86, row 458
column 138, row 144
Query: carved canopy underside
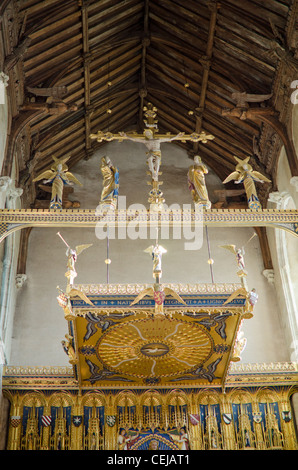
column 116, row 345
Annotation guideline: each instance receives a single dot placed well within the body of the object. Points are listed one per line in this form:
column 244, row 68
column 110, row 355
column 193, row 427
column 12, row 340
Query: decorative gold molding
column 62, row 377
column 12, row 220
column 134, row 289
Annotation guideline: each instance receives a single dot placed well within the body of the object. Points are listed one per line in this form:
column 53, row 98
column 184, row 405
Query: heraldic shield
column 111, row 420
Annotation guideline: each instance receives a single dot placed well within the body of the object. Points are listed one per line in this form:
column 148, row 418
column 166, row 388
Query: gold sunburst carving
column 154, row 348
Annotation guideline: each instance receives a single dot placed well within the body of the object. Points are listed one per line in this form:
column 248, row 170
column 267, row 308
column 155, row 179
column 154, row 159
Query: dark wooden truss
column 71, row 62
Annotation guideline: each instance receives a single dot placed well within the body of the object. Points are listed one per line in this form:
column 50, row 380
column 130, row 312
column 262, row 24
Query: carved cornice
column 62, row 377
column 274, row 373
column 12, row 220
column 133, row 289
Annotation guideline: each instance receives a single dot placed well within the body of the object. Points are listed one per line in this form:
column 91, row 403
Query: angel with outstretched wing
column 247, row 175
column 72, row 255
column 241, row 291
column 97, row 374
column 78, row 293
column 201, row 373
column 58, row 176
column 150, row 292
column 239, row 254
column 101, row 321
column 156, row 251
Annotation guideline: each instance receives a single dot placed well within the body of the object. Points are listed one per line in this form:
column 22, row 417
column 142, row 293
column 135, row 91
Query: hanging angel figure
column 156, row 251
column 110, row 190
column 157, row 291
column 72, row 256
column 196, row 183
column 239, row 254
column 245, row 174
column 59, row 176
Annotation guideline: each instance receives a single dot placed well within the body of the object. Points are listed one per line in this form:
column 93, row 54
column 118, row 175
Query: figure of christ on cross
column 152, row 141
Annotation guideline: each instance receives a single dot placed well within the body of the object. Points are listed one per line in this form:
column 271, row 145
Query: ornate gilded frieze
column 254, row 418
column 12, row 220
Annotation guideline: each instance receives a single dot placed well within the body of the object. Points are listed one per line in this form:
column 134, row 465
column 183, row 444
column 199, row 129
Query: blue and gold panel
column 185, row 345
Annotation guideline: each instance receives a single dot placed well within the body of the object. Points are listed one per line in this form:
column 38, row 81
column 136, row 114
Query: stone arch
column 287, row 259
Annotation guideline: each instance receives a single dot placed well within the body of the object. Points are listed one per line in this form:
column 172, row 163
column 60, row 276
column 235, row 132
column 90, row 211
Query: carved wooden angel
column 245, row 174
column 59, row 176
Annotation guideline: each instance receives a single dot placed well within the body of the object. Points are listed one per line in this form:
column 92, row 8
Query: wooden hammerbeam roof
column 78, row 59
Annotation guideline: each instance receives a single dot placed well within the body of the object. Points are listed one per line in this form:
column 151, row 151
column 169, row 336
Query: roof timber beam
column 103, row 121
column 213, row 158
column 177, row 116
column 258, row 11
column 223, row 129
column 235, row 140
column 206, row 66
column 52, row 144
column 145, row 44
column 228, row 145
column 185, row 32
column 87, row 60
column 163, row 76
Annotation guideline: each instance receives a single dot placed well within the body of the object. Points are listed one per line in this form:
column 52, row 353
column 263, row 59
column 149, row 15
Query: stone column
column 13, row 194
column 294, row 182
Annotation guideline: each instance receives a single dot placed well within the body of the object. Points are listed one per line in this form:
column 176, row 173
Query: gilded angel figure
column 59, row 176
column 245, row 174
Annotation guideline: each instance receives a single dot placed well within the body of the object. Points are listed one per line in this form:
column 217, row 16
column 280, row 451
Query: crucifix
column 152, row 140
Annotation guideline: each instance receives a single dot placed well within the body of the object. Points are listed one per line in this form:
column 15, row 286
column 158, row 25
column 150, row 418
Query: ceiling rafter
column 147, row 50
column 206, row 67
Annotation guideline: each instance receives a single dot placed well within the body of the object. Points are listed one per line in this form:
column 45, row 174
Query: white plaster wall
column 39, row 322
